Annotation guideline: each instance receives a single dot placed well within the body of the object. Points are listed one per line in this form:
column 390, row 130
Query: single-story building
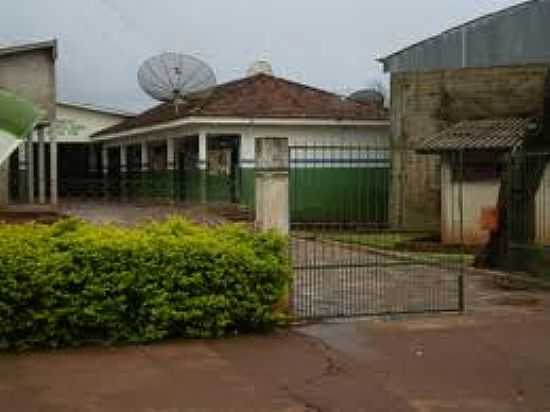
column 205, row 145
column 72, row 128
column 475, row 158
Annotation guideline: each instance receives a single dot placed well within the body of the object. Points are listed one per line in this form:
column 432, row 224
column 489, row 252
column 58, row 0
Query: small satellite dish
column 171, row 76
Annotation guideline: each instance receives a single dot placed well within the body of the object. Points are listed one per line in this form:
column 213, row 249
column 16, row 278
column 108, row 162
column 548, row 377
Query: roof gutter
column 235, row 121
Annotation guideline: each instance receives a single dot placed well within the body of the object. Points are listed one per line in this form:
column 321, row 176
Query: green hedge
column 74, row 283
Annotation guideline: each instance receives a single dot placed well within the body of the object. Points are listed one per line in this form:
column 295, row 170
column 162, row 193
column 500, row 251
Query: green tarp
column 17, row 119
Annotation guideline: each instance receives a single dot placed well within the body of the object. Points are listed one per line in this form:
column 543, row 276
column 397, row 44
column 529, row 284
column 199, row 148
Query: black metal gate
column 349, row 257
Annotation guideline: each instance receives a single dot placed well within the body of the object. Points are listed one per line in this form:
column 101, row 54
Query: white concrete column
column 203, row 151
column 22, row 157
column 272, row 201
column 123, row 158
column 53, row 169
column 144, row 157
column 22, row 172
column 41, row 166
column 30, row 168
column 92, row 159
column 4, row 183
column 105, row 160
column 170, row 154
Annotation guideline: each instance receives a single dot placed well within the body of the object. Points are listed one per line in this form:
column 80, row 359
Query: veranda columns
column 123, row 170
column 54, row 197
column 30, row 168
column 123, row 158
column 144, row 157
column 4, row 183
column 92, row 159
column 22, row 171
column 170, row 154
column 171, row 167
column 105, row 169
column 41, row 166
column 105, row 160
column 272, row 210
column 203, row 165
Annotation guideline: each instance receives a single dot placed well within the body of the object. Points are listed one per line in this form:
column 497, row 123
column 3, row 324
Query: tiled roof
column 259, row 96
column 496, row 134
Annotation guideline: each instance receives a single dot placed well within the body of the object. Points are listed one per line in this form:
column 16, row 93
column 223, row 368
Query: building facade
column 495, row 67
column 28, row 71
column 203, row 149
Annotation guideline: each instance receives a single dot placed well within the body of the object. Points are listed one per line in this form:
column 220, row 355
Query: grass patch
column 434, row 253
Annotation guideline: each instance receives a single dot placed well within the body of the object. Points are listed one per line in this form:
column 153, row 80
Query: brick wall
column 426, row 103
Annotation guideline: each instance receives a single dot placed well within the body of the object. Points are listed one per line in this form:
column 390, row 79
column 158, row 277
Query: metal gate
column 350, row 257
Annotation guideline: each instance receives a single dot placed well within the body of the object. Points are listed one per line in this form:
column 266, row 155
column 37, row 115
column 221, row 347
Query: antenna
column 169, row 77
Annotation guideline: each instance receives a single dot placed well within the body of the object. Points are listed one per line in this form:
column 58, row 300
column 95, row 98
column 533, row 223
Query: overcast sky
column 330, row 44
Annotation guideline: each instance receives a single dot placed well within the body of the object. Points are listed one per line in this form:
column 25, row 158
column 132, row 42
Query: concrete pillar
column 105, row 160
column 144, row 157
column 272, row 202
column 203, row 166
column 105, row 169
column 30, row 168
column 41, row 166
column 123, row 158
column 22, row 172
column 170, row 154
column 171, row 167
column 203, row 151
column 92, row 159
column 4, row 183
column 53, row 170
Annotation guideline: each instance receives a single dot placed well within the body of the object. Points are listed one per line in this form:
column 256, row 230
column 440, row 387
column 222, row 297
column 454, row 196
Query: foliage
column 73, row 283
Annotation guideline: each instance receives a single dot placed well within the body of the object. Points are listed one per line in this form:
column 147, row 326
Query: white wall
column 317, row 135
column 75, row 124
column 465, row 210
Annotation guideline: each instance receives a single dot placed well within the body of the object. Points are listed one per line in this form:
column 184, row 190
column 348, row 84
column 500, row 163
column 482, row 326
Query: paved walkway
column 494, row 358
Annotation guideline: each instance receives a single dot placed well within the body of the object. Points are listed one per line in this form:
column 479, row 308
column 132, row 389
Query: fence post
column 272, row 209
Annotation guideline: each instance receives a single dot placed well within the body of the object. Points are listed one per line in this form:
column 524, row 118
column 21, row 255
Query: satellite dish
column 171, row 76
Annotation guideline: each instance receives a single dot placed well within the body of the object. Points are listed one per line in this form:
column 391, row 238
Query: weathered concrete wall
column 426, row 103
column 542, row 211
column 31, row 75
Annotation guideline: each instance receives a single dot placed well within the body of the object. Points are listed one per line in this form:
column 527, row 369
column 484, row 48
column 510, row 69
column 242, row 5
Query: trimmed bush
column 73, row 283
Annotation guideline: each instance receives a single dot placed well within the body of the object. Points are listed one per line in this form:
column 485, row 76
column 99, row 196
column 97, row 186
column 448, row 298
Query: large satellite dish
column 171, row 76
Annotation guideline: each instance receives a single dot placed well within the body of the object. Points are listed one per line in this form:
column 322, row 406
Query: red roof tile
column 259, row 96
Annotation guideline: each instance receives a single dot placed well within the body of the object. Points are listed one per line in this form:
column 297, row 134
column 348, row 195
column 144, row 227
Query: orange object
column 489, row 218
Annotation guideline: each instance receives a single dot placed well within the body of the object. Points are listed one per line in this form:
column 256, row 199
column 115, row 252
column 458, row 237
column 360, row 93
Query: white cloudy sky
column 331, row 44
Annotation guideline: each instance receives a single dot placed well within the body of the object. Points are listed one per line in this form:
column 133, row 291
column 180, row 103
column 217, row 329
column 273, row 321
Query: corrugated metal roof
column 513, row 36
column 494, row 134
